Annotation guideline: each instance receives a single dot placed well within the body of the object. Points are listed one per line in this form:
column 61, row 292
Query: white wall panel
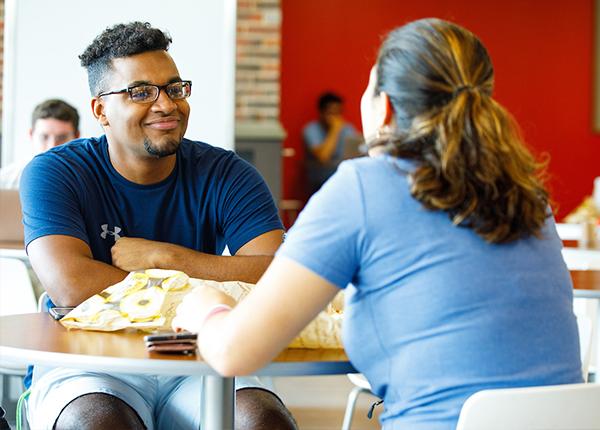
column 44, row 38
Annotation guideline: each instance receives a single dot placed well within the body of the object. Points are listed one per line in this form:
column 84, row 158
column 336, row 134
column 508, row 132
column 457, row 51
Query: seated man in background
column 142, row 196
column 326, row 140
column 53, row 122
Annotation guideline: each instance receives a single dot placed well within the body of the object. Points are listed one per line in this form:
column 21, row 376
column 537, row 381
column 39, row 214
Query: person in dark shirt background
column 327, row 140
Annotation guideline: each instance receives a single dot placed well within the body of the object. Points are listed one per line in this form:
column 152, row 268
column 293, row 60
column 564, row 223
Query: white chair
column 42, row 303
column 555, row 407
column 16, row 297
column 586, row 311
column 585, row 334
column 361, row 386
column 568, row 231
column 586, row 234
column 16, row 290
column 578, row 258
column 581, row 259
column 587, row 259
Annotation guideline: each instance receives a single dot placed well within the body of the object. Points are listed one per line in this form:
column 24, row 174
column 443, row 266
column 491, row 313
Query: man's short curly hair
column 121, row 40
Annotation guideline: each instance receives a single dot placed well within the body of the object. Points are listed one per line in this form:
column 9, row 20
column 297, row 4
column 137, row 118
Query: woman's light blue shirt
column 433, row 312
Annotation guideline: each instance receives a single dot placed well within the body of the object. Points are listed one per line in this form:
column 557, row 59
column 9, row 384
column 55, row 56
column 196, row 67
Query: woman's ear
column 383, row 111
column 98, row 111
column 387, row 109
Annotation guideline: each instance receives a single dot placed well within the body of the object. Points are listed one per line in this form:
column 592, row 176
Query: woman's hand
column 195, row 306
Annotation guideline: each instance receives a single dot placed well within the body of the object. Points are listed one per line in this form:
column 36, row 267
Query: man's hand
column 131, row 253
column 325, row 150
column 335, row 122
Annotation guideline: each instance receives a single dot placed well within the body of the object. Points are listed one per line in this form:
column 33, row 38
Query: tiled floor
column 331, row 419
column 318, row 402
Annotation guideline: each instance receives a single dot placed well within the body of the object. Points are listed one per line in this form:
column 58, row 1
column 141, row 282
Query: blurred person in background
column 53, row 122
column 326, row 140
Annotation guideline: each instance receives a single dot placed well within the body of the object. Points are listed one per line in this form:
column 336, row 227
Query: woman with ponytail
column 443, row 240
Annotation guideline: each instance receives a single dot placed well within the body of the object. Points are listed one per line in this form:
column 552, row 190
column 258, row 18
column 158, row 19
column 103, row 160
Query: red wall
column 542, row 53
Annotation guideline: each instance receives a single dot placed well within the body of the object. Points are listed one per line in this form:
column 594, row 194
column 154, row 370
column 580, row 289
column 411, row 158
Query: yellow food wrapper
column 585, row 212
column 144, row 300
column 148, row 300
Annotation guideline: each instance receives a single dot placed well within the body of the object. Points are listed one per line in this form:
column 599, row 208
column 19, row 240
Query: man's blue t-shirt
column 212, row 199
column 433, row 312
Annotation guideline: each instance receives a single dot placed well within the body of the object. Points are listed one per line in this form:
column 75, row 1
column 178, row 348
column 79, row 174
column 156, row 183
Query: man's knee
column 98, row 411
column 259, row 409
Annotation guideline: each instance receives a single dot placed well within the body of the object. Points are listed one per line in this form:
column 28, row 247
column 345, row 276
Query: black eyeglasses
column 148, row 93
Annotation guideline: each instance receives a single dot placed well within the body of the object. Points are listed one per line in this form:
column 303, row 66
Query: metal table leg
column 218, row 403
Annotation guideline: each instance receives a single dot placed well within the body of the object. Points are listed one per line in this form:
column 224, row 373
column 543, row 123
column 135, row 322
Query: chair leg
column 24, row 415
column 10, row 405
column 352, row 398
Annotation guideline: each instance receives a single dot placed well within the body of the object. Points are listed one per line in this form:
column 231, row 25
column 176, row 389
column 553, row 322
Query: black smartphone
column 172, row 342
column 172, row 348
column 170, row 337
column 58, row 312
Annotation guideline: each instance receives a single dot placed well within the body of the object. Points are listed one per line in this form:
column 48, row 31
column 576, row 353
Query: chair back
column 11, row 226
column 44, row 303
column 586, row 311
column 555, row 407
column 568, row 231
column 581, row 259
column 16, row 290
column 16, row 297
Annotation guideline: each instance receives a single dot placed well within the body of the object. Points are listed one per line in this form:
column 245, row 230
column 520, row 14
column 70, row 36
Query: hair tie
column 462, row 88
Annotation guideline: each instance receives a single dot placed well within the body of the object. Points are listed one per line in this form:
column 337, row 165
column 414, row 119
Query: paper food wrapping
column 325, row 331
column 147, row 300
column 587, row 211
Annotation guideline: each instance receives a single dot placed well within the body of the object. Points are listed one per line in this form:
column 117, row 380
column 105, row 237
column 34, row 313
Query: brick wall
column 258, row 60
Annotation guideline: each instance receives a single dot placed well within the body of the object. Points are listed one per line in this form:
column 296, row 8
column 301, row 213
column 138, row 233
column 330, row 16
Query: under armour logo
column 107, row 232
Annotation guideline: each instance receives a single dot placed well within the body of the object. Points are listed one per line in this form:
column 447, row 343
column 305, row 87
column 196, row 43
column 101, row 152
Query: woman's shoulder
column 381, row 165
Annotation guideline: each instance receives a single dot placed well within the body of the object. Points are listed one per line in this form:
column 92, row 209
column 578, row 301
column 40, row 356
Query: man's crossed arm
column 67, row 270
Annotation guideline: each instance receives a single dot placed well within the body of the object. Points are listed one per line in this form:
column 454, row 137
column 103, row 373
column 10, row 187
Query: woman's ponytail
column 472, row 163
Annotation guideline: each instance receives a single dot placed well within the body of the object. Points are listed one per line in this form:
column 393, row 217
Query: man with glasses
column 142, row 196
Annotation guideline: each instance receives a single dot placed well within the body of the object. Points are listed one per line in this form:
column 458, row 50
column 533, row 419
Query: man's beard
column 169, row 149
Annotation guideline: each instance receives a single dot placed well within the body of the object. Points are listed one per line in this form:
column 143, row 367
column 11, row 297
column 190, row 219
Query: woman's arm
column 234, row 343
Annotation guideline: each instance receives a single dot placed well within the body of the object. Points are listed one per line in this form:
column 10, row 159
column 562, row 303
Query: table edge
column 156, row 366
